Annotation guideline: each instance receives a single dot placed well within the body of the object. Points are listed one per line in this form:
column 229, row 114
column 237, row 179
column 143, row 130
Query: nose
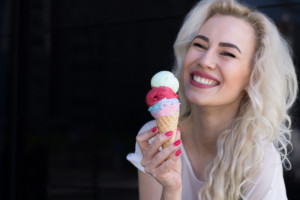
column 207, row 60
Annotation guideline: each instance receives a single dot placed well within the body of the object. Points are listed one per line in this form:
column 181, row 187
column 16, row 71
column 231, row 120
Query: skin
column 164, row 166
column 222, row 50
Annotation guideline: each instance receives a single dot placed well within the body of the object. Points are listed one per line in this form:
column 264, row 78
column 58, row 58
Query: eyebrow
column 225, row 44
column 221, row 44
column 202, row 37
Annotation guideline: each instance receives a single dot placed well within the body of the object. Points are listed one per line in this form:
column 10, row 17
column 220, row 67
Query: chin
column 196, row 99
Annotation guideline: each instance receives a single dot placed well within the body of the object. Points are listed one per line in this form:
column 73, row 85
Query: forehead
column 223, row 28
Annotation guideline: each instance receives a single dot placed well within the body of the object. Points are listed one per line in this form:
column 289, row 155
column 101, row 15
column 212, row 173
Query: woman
column 237, row 83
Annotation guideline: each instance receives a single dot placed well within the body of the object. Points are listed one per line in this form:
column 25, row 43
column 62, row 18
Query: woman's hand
column 164, row 165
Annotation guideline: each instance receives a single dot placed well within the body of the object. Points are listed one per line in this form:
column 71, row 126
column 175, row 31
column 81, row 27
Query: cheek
column 191, row 57
column 190, row 61
column 186, row 68
column 238, row 79
column 185, row 80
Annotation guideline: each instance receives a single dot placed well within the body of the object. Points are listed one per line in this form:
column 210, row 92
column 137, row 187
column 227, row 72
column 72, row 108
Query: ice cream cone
column 168, row 123
column 164, row 104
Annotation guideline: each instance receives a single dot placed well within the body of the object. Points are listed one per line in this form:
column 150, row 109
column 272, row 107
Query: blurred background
column 73, row 77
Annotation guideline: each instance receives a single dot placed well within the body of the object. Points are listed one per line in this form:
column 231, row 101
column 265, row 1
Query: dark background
column 73, row 77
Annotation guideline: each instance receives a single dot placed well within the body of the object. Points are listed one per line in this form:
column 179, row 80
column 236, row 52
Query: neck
column 205, row 126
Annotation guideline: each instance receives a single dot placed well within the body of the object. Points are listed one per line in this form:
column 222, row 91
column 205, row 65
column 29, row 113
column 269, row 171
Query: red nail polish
column 177, row 143
column 170, row 133
column 178, row 152
column 154, row 129
column 178, row 128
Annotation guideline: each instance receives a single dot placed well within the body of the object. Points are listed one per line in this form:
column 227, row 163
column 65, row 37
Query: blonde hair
column 263, row 115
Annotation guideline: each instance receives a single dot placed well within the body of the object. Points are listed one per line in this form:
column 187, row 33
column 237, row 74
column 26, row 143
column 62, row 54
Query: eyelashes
column 199, row 45
column 228, row 54
column 224, row 53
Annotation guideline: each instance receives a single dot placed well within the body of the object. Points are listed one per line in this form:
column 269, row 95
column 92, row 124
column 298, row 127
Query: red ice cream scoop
column 158, row 93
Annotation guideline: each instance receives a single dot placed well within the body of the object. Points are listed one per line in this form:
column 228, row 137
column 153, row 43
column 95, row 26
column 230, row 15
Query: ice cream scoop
column 164, row 107
column 158, row 93
column 165, row 78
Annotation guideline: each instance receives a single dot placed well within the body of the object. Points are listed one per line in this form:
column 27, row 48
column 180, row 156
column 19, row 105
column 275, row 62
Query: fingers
column 178, row 134
column 169, row 165
column 152, row 157
column 165, row 164
column 154, row 146
column 142, row 139
column 162, row 158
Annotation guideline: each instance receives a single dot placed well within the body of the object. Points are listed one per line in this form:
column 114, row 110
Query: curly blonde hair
column 263, row 114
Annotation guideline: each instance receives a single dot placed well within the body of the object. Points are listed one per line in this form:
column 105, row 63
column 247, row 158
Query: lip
column 199, row 85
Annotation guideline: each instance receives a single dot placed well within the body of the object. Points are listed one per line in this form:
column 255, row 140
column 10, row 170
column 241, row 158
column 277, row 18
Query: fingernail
column 178, row 128
column 154, row 129
column 178, row 152
column 168, row 134
column 177, row 143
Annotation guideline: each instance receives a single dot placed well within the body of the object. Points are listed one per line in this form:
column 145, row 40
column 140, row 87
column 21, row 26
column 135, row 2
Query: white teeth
column 204, row 81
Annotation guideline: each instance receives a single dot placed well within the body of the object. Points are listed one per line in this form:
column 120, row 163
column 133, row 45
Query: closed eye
column 228, row 54
column 199, row 45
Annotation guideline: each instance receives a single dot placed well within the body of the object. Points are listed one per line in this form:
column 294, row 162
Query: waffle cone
column 168, row 123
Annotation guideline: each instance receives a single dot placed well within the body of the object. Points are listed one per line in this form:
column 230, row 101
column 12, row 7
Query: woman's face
column 216, row 68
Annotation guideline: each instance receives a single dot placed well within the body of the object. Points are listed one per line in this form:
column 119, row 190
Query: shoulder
column 271, row 157
column 269, row 182
column 271, row 164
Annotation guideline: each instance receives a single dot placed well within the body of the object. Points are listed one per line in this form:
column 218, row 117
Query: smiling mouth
column 204, row 81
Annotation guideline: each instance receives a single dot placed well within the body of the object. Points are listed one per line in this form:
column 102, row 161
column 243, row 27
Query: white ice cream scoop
column 165, row 78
